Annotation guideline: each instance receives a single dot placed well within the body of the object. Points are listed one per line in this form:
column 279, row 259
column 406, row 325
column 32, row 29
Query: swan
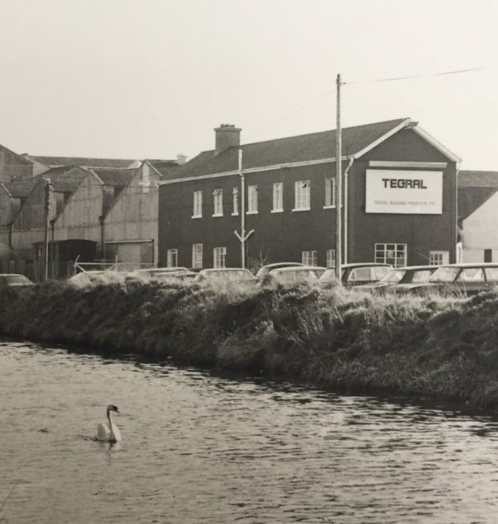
column 109, row 432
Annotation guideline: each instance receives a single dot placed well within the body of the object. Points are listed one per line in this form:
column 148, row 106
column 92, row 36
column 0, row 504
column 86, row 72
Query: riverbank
column 421, row 347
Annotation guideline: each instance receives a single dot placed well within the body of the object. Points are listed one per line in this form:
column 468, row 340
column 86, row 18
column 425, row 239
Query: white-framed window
column 394, row 254
column 218, row 202
column 235, row 195
column 278, row 197
column 330, row 257
column 197, row 256
column 252, row 199
column 302, row 193
column 197, row 213
column 172, row 258
column 310, row 258
column 330, row 192
column 436, row 258
column 219, row 256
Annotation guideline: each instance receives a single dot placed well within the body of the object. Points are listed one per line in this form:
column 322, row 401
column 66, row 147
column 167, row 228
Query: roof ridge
column 315, row 133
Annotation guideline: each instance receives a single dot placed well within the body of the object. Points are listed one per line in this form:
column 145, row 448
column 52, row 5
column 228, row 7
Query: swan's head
column 112, row 407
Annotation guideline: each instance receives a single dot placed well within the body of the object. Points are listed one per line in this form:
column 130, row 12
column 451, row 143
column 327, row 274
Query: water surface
column 198, row 448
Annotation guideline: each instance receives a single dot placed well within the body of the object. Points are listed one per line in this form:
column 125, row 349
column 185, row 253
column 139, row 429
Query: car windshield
column 380, row 271
column 444, row 274
column 296, row 275
column 328, row 274
column 491, row 274
column 394, row 276
column 422, row 275
column 360, row 274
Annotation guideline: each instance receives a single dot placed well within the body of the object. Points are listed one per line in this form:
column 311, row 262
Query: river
column 200, row 448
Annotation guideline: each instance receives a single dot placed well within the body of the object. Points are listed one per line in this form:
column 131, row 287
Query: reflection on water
column 200, row 448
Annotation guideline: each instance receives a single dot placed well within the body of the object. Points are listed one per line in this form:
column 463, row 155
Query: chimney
column 181, row 159
column 227, row 135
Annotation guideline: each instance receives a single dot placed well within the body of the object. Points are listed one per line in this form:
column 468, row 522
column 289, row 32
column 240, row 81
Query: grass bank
column 430, row 347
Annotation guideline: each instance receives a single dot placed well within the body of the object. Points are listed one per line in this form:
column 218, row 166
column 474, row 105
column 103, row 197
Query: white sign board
column 407, row 192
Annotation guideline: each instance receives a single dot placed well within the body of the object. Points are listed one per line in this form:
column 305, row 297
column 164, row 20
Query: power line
column 360, row 82
column 393, row 79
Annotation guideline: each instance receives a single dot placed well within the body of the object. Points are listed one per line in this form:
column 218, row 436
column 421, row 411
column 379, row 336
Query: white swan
column 109, row 432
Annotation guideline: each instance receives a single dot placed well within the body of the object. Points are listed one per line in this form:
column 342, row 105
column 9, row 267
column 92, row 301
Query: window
column 310, row 258
column 219, row 257
column 330, row 257
column 197, row 256
column 471, row 274
column 436, row 258
column 491, row 274
column 488, row 255
column 278, row 197
column 394, row 254
column 302, row 196
column 172, row 260
column 235, row 194
column 361, row 274
column 330, row 194
column 252, row 199
column 218, row 202
column 197, row 204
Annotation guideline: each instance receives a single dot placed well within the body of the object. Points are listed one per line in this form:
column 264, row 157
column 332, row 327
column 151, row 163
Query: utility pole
column 48, row 193
column 338, row 185
column 242, row 236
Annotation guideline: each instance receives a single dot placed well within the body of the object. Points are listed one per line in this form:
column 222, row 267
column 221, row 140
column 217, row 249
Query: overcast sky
column 152, row 78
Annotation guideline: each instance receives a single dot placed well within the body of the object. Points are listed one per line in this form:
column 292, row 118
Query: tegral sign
column 409, row 192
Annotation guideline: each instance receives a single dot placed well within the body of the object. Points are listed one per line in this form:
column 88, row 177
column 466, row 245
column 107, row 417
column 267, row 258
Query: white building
column 478, row 215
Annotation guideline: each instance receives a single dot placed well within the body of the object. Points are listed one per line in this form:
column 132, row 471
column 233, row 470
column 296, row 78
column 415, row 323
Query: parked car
column 356, row 274
column 468, row 278
column 161, row 273
column 225, row 275
column 86, row 277
column 15, row 280
column 294, row 274
column 401, row 277
column 265, row 270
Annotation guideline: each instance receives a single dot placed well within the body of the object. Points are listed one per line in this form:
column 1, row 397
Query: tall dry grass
column 333, row 338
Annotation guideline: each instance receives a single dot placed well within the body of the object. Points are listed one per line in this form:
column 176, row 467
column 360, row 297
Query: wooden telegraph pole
column 338, row 185
column 48, row 192
column 243, row 236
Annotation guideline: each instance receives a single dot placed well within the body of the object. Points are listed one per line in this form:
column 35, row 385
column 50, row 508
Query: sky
column 152, row 78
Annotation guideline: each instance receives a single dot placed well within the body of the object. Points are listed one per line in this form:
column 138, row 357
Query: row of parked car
column 464, row 278
column 467, row 278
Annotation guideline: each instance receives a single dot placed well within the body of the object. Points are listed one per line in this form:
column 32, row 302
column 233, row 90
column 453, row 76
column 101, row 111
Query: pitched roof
column 19, row 189
column 302, row 148
column 478, row 179
column 474, row 189
column 57, row 161
column 64, row 179
column 165, row 168
column 115, row 177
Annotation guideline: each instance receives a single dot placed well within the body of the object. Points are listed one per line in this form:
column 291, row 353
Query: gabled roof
column 295, row 149
column 474, row 189
column 19, row 189
column 478, row 179
column 165, row 168
column 57, row 161
column 64, row 179
column 308, row 149
column 115, row 177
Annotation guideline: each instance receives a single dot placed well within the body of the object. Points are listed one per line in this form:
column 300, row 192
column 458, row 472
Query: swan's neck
column 110, row 425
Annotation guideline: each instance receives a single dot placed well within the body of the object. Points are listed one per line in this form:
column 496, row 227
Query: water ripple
column 203, row 449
